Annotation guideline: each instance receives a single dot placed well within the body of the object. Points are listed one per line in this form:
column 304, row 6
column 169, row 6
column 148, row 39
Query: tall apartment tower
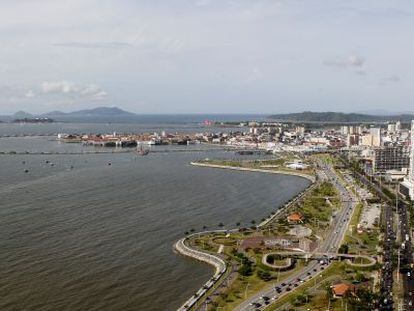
column 407, row 186
column 398, row 126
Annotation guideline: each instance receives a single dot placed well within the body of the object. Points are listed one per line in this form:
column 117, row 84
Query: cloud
column 255, row 74
column 392, row 79
column 361, row 72
column 15, row 93
column 94, row 45
column 389, row 80
column 67, row 88
column 355, row 61
column 352, row 61
column 57, row 87
column 29, row 94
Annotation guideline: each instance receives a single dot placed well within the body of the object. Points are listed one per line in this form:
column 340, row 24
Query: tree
column 328, row 289
column 300, row 299
column 238, row 224
column 360, row 277
column 343, row 249
column 246, row 269
column 264, row 275
column 253, row 222
column 363, row 299
column 221, row 225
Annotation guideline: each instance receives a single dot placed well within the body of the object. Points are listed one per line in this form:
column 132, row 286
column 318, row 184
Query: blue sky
column 207, row 56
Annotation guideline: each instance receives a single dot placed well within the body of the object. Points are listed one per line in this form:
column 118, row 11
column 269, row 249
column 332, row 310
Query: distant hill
column 95, row 112
column 99, row 114
column 339, row 117
column 22, row 115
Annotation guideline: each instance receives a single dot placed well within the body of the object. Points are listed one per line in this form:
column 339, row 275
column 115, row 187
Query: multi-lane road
column 405, row 256
column 331, row 243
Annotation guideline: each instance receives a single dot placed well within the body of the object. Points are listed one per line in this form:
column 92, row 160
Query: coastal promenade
column 218, row 263
column 215, row 261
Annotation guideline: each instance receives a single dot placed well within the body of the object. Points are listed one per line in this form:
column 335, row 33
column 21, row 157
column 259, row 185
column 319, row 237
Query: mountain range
column 339, row 117
column 106, row 114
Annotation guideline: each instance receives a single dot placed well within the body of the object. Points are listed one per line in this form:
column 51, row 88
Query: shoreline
column 213, row 260
column 292, row 173
column 218, row 263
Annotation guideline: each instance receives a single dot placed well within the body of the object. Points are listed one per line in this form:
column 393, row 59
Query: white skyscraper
column 398, row 126
column 407, row 186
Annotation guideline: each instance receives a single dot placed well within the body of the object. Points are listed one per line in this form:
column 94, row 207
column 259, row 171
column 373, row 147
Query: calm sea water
column 99, row 236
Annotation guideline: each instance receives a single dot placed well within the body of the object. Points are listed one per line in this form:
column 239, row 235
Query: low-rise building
column 341, row 289
column 295, row 218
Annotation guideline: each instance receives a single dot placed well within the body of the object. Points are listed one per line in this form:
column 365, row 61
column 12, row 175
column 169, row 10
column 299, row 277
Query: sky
column 207, row 56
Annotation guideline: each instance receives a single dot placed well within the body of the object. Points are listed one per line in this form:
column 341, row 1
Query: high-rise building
column 391, row 128
column 390, row 158
column 352, row 140
column 344, row 130
column 376, row 136
column 407, row 186
column 398, row 126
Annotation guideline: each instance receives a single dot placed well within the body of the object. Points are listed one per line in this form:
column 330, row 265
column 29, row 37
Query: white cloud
column 389, row 80
column 57, row 87
column 29, row 94
column 95, row 45
column 67, row 88
column 354, row 61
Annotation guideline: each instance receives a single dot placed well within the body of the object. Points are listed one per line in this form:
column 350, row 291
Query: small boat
column 142, row 152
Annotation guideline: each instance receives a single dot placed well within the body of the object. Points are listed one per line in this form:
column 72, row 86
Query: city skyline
column 203, row 56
